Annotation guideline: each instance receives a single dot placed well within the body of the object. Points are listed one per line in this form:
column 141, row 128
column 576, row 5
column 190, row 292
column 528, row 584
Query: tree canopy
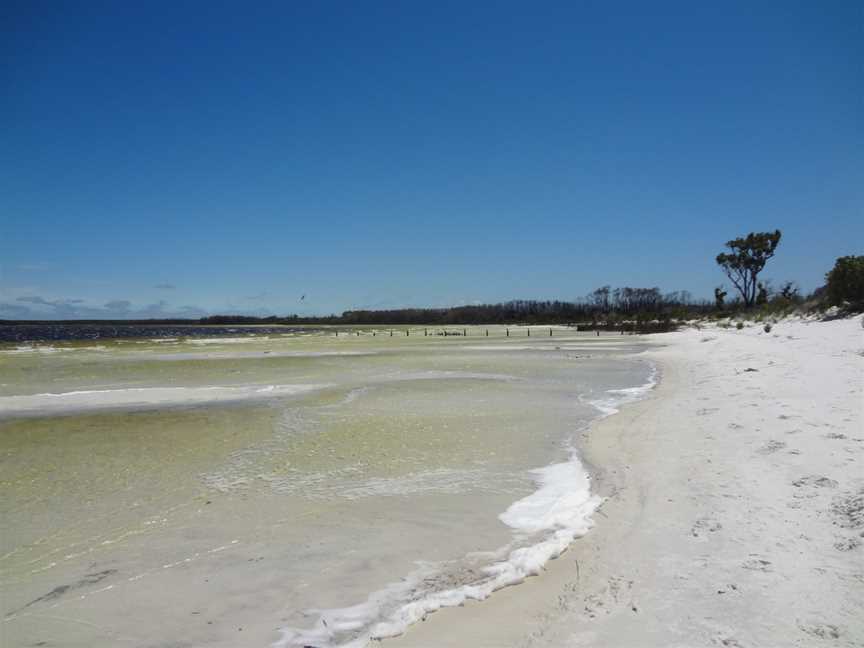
column 845, row 282
column 746, row 259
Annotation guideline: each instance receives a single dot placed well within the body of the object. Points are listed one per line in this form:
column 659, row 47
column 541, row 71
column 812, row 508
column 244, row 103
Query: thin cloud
column 39, row 308
column 119, row 305
column 165, row 286
column 33, row 299
column 55, row 303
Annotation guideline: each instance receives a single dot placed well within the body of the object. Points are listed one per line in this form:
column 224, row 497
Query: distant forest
column 603, row 304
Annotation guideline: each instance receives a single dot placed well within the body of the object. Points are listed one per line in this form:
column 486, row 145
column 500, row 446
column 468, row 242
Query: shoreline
column 732, row 514
column 516, row 615
column 560, row 507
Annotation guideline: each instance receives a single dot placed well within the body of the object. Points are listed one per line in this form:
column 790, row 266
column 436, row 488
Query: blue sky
column 164, row 158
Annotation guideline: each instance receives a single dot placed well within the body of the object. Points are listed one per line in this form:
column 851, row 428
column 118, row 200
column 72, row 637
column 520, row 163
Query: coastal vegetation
column 845, row 282
column 746, row 259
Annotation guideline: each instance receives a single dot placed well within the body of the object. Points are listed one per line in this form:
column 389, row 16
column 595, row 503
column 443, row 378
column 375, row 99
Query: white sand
column 735, row 509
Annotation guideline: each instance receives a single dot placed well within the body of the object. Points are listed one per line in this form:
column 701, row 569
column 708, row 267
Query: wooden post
column 425, row 332
column 464, row 332
column 407, row 332
column 391, row 332
column 487, row 332
column 358, row 333
column 508, row 332
column 337, row 333
column 529, row 332
column 598, row 332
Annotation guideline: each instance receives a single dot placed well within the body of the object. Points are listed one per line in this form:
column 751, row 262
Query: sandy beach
column 734, row 508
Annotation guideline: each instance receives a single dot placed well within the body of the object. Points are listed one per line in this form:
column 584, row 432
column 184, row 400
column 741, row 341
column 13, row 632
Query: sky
column 187, row 158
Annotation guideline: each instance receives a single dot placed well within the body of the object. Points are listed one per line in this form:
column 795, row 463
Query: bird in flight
column 303, row 297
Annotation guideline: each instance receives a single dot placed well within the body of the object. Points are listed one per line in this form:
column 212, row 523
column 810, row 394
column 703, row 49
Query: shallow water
column 301, row 489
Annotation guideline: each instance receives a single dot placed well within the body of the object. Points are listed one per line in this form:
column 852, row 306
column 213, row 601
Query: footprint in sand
column 604, row 601
column 849, row 510
column 821, row 630
column 847, row 544
column 771, row 447
column 703, row 526
column 757, row 564
column 729, row 589
column 815, row 480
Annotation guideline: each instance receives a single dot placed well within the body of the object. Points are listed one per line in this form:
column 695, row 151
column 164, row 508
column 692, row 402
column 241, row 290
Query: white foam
column 544, row 524
column 42, row 348
column 615, row 398
column 47, row 348
column 142, row 397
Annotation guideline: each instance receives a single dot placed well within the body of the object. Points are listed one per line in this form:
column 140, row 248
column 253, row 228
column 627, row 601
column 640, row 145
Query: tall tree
column 746, row 259
column 600, row 297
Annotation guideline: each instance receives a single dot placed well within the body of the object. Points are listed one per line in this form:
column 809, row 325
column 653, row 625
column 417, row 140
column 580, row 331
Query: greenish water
column 158, row 492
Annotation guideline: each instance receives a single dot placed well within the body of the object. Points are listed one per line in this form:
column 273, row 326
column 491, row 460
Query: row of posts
column 464, row 333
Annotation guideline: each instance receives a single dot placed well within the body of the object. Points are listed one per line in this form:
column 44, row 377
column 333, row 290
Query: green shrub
column 845, row 282
column 739, row 325
column 767, row 327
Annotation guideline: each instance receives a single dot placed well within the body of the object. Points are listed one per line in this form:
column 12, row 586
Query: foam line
column 142, row 397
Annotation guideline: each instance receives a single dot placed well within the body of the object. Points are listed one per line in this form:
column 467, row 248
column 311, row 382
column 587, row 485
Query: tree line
column 640, row 303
